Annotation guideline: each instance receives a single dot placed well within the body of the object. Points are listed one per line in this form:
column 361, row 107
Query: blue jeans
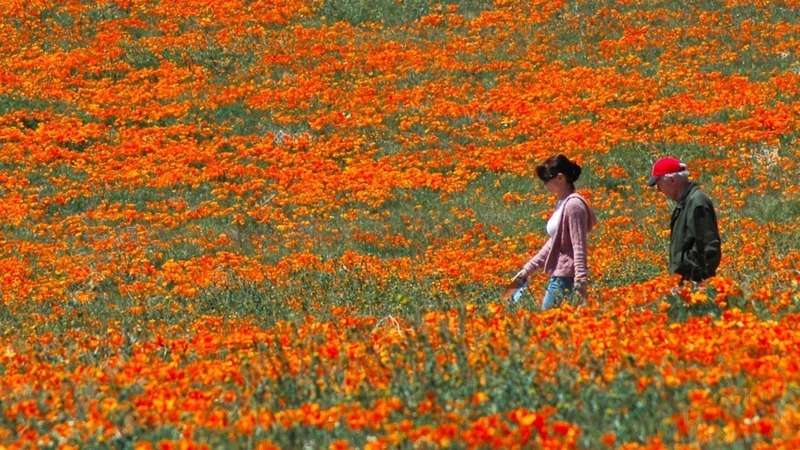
column 558, row 289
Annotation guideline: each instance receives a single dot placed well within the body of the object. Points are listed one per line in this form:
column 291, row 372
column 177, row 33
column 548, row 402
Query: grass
column 294, row 227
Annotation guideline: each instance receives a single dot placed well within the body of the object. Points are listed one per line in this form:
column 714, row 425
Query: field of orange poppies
column 286, row 223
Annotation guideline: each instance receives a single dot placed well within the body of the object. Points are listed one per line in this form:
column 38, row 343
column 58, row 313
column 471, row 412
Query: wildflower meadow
column 287, row 224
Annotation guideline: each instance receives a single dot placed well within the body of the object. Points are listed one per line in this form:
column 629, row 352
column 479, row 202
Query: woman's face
column 553, row 185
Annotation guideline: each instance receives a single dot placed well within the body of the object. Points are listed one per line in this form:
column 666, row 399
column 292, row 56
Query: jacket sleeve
column 578, row 226
column 702, row 259
column 537, row 261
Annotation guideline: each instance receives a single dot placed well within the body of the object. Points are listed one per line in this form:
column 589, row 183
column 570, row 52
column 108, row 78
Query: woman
column 564, row 254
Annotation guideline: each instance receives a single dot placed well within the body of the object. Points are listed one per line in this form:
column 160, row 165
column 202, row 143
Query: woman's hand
column 581, row 288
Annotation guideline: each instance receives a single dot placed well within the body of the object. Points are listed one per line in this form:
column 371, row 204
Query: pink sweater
column 564, row 254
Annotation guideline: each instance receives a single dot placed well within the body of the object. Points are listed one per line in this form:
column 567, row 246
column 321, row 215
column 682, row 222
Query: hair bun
column 569, row 168
column 575, row 171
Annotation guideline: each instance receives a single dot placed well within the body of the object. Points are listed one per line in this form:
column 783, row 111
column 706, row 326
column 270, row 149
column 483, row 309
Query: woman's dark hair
column 556, row 165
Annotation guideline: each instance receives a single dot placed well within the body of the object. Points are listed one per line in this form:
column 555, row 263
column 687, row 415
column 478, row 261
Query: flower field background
column 286, row 223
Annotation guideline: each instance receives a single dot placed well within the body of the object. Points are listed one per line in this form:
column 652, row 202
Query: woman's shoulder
column 576, row 202
column 577, row 207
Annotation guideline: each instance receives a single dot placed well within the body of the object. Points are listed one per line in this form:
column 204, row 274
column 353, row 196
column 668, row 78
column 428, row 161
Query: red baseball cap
column 665, row 166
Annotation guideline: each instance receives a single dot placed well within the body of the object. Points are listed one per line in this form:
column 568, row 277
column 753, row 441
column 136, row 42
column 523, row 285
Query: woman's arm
column 537, row 261
column 577, row 216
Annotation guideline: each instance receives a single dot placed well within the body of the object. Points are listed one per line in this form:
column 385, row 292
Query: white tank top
column 552, row 223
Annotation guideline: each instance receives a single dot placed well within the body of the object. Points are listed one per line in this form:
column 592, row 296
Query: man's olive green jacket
column 694, row 243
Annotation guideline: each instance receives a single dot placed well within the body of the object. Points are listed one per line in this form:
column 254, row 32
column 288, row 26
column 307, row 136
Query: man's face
column 668, row 186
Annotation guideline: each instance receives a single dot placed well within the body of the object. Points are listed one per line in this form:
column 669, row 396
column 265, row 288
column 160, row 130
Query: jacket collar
column 691, row 187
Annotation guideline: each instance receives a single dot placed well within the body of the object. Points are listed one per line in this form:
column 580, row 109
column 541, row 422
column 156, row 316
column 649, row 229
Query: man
column 694, row 242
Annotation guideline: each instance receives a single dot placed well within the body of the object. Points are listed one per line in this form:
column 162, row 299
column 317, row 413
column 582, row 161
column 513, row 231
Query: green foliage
column 108, row 11
column 602, row 393
column 141, row 57
column 680, row 311
column 773, row 208
column 389, row 12
column 15, row 102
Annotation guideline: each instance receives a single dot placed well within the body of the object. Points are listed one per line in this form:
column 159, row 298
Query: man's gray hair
column 683, row 174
